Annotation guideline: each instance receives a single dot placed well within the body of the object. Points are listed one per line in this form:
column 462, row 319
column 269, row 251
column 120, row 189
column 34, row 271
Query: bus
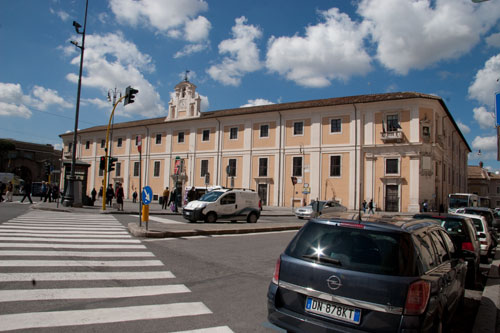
column 459, row 200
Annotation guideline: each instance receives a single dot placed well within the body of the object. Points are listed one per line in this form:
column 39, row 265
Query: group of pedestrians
column 110, row 194
column 174, row 199
column 368, row 206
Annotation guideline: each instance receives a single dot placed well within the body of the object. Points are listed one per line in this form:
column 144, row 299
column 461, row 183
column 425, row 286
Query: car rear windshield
column 359, row 249
column 479, row 224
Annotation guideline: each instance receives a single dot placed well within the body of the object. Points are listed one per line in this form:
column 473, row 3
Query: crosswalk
column 86, row 271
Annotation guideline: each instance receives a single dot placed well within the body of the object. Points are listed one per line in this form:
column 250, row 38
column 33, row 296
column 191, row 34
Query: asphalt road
column 229, row 274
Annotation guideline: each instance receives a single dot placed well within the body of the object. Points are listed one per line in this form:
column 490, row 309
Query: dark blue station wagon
column 355, row 276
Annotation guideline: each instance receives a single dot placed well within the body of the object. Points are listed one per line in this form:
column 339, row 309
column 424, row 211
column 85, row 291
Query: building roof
column 359, row 99
column 477, row 172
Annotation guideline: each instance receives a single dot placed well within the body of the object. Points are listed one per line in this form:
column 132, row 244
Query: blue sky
column 245, row 53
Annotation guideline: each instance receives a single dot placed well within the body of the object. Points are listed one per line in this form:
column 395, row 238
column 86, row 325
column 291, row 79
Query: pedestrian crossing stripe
column 18, row 295
column 71, row 246
column 94, row 254
column 84, row 276
column 100, row 315
column 16, row 226
column 69, row 240
column 79, row 263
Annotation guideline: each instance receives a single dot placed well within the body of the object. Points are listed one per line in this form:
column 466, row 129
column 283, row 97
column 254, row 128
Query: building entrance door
column 262, row 190
column 392, row 198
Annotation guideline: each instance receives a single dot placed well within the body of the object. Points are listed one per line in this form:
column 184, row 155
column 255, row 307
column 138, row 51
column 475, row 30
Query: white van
column 227, row 204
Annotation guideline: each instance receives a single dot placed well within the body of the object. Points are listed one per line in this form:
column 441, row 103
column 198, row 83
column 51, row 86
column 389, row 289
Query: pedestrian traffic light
column 130, row 95
column 111, row 165
column 102, row 163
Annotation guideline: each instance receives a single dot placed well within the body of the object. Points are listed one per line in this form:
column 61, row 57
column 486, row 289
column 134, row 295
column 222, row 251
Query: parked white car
column 316, row 208
column 483, row 234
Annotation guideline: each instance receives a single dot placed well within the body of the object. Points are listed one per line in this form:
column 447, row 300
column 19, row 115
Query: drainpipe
column 356, row 159
column 219, row 153
column 279, row 164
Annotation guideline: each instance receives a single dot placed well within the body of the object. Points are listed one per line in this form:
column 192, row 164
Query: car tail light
column 417, row 297
column 276, row 276
column 467, row 246
column 483, row 242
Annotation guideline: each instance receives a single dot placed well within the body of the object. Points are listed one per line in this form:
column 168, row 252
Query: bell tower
column 186, row 101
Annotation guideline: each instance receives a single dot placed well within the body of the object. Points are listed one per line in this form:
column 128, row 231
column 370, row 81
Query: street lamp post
column 112, row 93
column 70, row 199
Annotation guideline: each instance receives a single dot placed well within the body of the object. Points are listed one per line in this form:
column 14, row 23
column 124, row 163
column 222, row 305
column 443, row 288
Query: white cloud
column 61, row 13
column 464, row 128
column 256, row 102
column 111, row 60
column 190, row 49
column 485, row 84
column 414, row 34
column 484, row 118
column 485, row 144
column 493, row 40
column 243, row 54
column 197, row 30
column 332, row 49
column 13, row 101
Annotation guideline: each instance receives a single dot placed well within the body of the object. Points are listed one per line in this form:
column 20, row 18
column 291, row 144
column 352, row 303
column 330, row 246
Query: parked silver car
column 316, row 208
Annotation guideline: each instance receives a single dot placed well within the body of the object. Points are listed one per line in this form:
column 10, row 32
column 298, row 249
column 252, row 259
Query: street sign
column 139, row 143
column 147, row 195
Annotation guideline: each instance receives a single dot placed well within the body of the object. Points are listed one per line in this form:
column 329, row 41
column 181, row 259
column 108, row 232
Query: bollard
column 145, row 214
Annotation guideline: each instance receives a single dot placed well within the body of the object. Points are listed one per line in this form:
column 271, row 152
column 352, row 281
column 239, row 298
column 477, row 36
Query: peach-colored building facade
column 397, row 149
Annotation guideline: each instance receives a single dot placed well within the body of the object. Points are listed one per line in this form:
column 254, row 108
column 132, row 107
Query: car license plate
column 333, row 310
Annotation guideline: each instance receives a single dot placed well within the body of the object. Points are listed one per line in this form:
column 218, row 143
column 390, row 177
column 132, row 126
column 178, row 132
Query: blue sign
column 497, row 107
column 147, row 195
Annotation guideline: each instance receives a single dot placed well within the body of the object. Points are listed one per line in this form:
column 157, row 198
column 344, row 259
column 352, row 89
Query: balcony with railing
column 392, row 136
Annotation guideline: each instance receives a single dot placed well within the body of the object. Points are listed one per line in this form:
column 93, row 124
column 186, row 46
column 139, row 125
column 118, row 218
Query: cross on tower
column 186, row 75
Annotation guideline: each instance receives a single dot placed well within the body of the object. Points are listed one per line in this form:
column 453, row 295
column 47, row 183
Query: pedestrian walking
column 93, row 194
column 10, row 191
column 100, row 193
column 119, row 196
column 191, row 196
column 109, row 195
column 166, row 195
column 43, row 190
column 370, row 207
column 134, row 196
column 27, row 192
column 2, row 189
column 364, row 206
column 48, row 193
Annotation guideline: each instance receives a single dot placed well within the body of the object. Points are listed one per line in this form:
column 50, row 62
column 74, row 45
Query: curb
column 137, row 231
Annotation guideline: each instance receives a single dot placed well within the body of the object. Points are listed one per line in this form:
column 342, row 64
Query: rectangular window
column 335, row 125
column 204, row 168
column 101, row 172
column 298, row 128
column 158, row 139
column 118, row 171
column 264, row 131
column 392, row 166
column 297, row 166
column 180, row 137
column 103, row 143
column 233, row 133
column 70, row 145
column 136, row 140
column 119, row 142
column 393, row 123
column 335, row 166
column 498, row 192
column 156, row 172
column 263, row 167
column 136, row 169
column 232, row 167
column 87, row 145
column 205, row 135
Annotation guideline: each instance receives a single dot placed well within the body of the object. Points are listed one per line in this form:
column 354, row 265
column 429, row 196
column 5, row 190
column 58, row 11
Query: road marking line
column 69, row 240
column 72, row 232
column 21, row 295
column 71, row 246
column 35, row 227
column 100, row 316
column 219, row 329
column 79, row 263
column 82, row 276
column 75, row 254
column 162, row 220
column 90, row 235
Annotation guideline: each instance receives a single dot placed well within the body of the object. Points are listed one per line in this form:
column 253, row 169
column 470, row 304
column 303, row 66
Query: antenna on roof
column 186, row 75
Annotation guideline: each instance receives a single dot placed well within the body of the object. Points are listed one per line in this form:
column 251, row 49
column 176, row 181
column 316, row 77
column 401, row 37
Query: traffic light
column 47, row 169
column 130, row 95
column 102, row 163
column 111, row 165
